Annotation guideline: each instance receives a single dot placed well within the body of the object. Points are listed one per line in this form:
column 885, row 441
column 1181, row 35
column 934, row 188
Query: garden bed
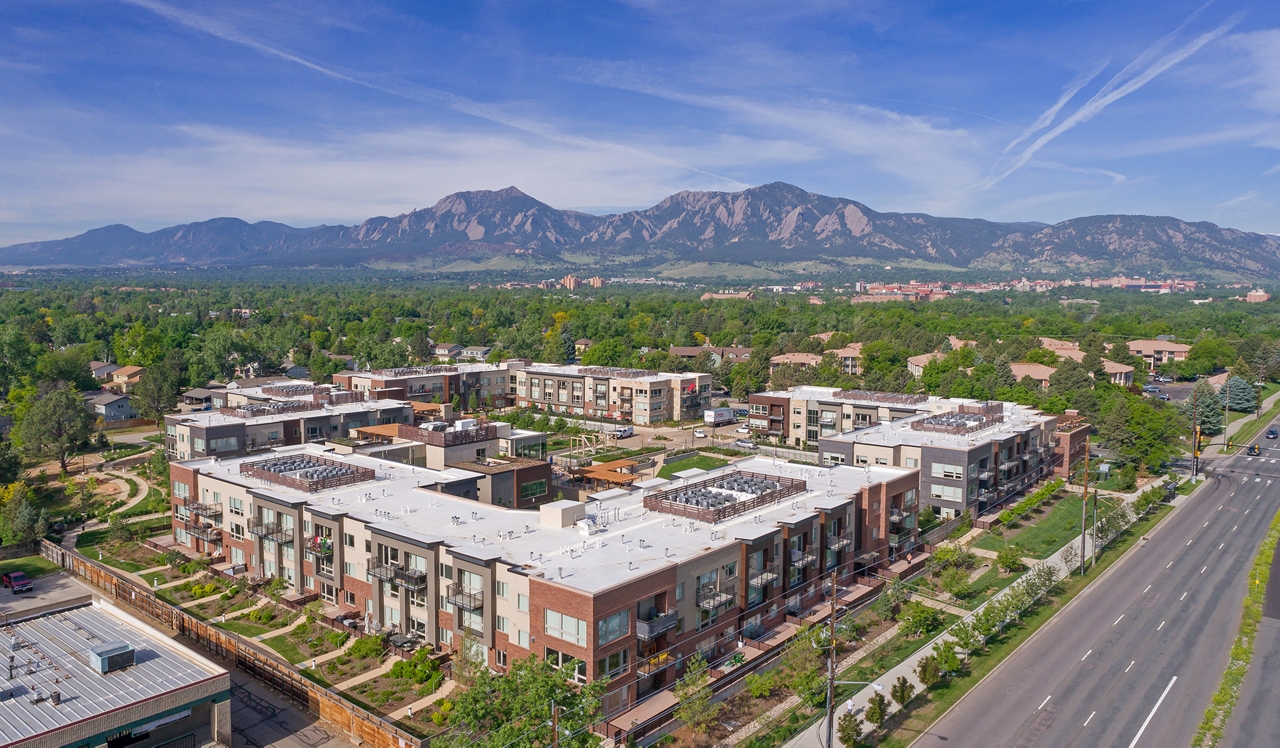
column 359, row 659
column 307, row 641
column 128, row 555
column 234, row 599
column 259, row 621
column 192, row 589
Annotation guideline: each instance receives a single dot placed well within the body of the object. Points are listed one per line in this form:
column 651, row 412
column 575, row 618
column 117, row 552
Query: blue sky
column 159, row 112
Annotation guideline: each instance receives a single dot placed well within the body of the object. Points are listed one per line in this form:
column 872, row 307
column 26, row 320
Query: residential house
column 1158, row 352
column 113, row 406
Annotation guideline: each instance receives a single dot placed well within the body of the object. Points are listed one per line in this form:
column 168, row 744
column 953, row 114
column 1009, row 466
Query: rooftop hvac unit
column 111, row 656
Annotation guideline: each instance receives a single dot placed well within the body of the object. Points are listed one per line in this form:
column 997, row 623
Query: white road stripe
column 1203, row 570
column 1153, row 712
column 1148, row 589
column 1205, row 524
column 1184, row 597
column 1130, row 665
column 1222, row 546
column 1189, row 541
column 1086, row 654
column 1234, row 528
column 1160, row 626
column 1117, row 621
column 1170, row 564
column 1046, row 701
column 1086, row 722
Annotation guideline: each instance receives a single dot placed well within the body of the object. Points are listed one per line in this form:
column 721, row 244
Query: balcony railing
column 657, row 625
column 465, row 598
column 319, row 547
column 896, row 516
column 840, row 542
column 712, row 596
column 895, row 539
column 202, row 509
column 413, row 579
column 801, row 559
column 207, row 533
column 764, row 576
column 650, row 665
column 271, row 531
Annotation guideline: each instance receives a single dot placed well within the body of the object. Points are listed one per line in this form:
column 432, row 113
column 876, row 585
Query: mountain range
column 767, row 231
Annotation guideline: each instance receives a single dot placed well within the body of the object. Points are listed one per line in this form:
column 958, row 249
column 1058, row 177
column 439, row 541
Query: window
column 446, row 571
column 912, row 462
column 309, row 582
column 170, row 429
column 947, row 493
column 612, row 628
column 861, row 459
column 909, row 498
column 731, row 570
column 522, row 603
column 226, row 444
column 349, row 597
column 237, row 556
column 565, row 627
column 522, row 638
column 503, row 624
column 446, row 635
column 533, row 489
column 679, row 591
column 882, row 460
column 181, row 490
column 237, row 506
column 612, row 665
column 560, row 661
column 499, row 658
column 349, row 568
column 237, row 531
column 197, row 443
column 502, row 589
column 348, row 540
column 950, row 472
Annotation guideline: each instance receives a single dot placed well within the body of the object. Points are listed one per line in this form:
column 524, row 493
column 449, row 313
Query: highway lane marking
column 1153, row 712
column 1204, row 525
column 1234, row 528
column 1118, row 620
column 1189, row 541
column 1222, row 546
column 1184, row 597
column 1046, row 701
column 1170, row 564
column 1130, row 665
column 1246, row 511
column 1160, row 626
column 1086, row 654
column 1202, row 570
column 1086, row 722
column 1148, row 589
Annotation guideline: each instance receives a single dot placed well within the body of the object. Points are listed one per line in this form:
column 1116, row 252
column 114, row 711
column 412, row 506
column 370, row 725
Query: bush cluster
column 1013, row 513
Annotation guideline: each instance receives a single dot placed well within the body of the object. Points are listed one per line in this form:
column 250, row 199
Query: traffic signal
column 1231, row 444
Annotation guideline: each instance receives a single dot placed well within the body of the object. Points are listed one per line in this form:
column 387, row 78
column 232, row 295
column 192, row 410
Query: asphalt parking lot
column 51, row 592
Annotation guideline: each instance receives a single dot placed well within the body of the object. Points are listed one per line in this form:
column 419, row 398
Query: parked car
column 18, row 581
column 1163, row 396
column 743, row 429
column 744, row 444
column 1273, row 434
column 1254, row 450
column 1150, row 388
column 699, row 434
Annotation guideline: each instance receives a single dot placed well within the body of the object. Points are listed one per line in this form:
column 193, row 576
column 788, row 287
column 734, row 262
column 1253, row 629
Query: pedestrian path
column 363, row 677
column 405, row 711
column 335, row 654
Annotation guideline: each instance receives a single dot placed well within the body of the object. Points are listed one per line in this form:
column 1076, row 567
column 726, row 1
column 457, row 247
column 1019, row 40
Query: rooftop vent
column 112, row 656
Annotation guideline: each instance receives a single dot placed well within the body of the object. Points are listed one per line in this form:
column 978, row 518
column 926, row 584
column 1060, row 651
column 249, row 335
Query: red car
column 18, row 581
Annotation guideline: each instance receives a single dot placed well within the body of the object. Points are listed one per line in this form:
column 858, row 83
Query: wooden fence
column 360, row 725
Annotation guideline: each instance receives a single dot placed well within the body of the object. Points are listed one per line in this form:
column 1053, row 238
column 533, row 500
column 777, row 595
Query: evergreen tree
column 1004, row 374
column 1240, row 395
column 877, row 709
column 10, row 463
column 1070, row 377
column 420, row 346
column 1204, row 408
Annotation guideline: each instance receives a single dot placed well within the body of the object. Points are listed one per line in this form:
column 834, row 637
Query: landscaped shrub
column 760, row 685
column 338, row 638
column 419, row 669
column 367, row 647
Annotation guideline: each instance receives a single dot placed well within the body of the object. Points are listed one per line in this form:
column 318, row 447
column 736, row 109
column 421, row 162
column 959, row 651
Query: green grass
column 245, row 628
column 1049, row 532
column 315, row 677
column 152, row 579
column 154, row 438
column 986, row 586
column 153, row 504
column 1186, row 487
column 932, row 704
column 32, row 566
column 1245, row 435
column 286, row 647
column 119, row 450
column 702, row 462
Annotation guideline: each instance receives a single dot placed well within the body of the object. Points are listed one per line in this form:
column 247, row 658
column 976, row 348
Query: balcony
column 895, row 539
column 712, row 596
column 467, row 599
column 651, row 665
column 656, row 626
column 319, row 547
column 896, row 516
column 762, row 577
column 207, row 533
column 801, row 559
column 839, row 542
column 202, row 509
column 413, row 579
column 271, row 531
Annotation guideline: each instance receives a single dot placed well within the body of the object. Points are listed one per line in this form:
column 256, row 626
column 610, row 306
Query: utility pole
column 555, row 725
column 1084, row 503
column 1195, row 445
column 831, row 668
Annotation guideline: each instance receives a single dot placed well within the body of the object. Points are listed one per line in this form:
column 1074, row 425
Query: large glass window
column 613, row 627
column 566, row 627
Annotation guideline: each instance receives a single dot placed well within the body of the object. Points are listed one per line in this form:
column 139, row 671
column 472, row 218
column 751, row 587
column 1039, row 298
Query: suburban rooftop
column 209, row 418
column 618, row 539
column 1015, row 418
column 52, row 655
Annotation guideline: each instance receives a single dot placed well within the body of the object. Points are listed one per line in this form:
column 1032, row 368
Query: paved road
column 1134, row 659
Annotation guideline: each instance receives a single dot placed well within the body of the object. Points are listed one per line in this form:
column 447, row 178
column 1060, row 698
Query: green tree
column 955, row 581
column 10, row 462
column 1009, row 558
column 157, row 392
column 55, row 425
column 1240, row 395
column 947, row 656
column 928, row 670
column 473, row 403
column 139, row 346
column 1204, row 408
column 918, row 619
column 693, row 696
column 877, row 709
column 902, row 691
column 1069, row 377
column 849, row 730
column 515, row 708
column 420, row 346
column 70, row 365
column 804, row 667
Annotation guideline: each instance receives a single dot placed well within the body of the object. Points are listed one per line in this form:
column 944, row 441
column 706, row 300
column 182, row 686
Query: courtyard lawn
column 307, row 641
column 32, row 566
column 1041, row 537
column 701, row 462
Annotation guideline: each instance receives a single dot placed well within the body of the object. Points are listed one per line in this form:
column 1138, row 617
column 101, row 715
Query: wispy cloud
column 1115, row 177
column 1246, row 197
column 1134, row 76
column 396, row 86
column 1047, row 117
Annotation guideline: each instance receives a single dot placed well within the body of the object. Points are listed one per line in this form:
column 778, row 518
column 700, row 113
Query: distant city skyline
column 155, row 112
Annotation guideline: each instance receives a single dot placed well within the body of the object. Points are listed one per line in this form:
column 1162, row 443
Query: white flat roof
column 1017, row 418
column 395, row 504
column 214, row 418
column 56, row 646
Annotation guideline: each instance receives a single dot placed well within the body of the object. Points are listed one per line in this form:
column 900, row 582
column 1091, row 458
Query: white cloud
column 1237, row 200
column 1263, row 50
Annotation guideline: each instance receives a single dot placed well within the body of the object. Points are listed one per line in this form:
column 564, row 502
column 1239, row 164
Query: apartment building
column 971, row 455
column 295, row 415
column 643, row 397
column 626, row 584
column 802, row 415
column 490, row 383
column 1158, row 352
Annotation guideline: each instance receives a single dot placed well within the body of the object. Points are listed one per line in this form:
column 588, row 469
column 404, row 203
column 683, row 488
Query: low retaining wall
column 362, row 727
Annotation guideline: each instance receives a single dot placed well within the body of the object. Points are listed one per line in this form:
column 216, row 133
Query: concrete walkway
column 938, row 604
column 301, row 619
column 444, row 690
column 335, row 654
column 193, row 603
